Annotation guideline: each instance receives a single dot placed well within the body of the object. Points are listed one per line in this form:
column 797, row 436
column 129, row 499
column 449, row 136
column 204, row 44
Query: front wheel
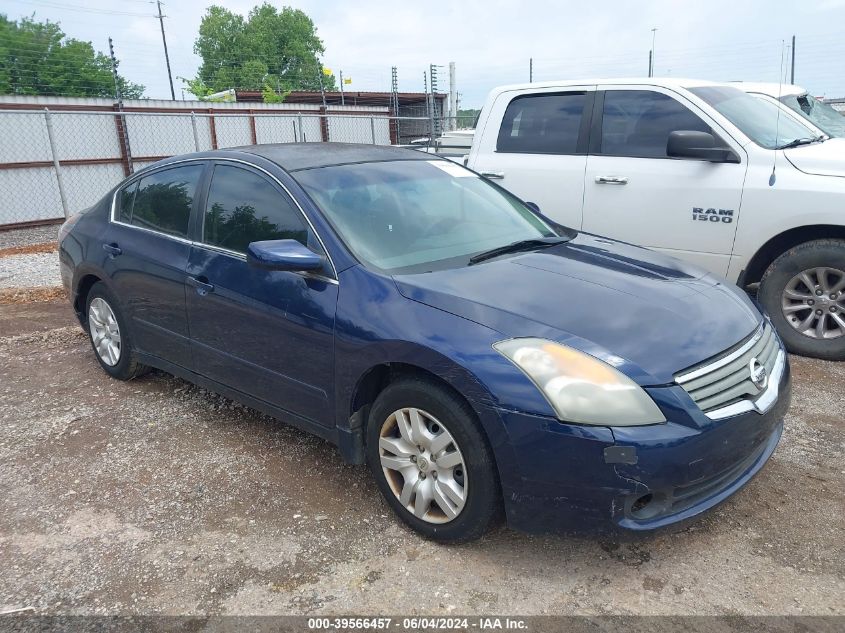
column 804, row 293
column 431, row 461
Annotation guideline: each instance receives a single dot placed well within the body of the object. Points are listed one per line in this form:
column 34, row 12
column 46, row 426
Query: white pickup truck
column 699, row 170
column 798, row 100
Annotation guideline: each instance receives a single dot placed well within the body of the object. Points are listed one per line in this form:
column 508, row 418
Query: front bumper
column 565, row 479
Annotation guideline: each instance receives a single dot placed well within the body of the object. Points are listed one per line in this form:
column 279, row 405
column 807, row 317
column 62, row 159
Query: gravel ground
column 27, row 236
column 157, row 497
column 30, row 270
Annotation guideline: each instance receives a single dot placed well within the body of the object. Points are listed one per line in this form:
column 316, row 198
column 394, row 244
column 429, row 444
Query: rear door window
column 637, row 123
column 125, row 199
column 542, row 124
column 163, row 200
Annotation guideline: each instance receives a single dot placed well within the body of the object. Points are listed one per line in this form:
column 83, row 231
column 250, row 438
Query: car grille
column 716, row 384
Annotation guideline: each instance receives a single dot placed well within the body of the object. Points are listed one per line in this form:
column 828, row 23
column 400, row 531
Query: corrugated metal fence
column 56, row 162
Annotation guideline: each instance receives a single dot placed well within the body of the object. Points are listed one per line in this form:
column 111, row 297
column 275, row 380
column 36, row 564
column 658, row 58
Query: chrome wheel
column 813, row 303
column 423, row 465
column 105, row 333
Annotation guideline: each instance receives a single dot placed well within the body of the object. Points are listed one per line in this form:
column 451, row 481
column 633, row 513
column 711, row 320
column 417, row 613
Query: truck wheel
column 431, row 461
column 804, row 293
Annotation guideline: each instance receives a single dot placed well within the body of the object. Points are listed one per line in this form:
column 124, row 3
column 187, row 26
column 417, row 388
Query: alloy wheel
column 105, row 333
column 423, row 465
column 813, row 303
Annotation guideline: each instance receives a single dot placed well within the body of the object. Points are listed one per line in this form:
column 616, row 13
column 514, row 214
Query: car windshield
column 759, row 120
column 416, row 216
column 824, row 117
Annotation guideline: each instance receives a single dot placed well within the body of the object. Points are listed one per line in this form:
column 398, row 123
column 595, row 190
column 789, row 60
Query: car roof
column 298, row 156
column 665, row 82
column 771, row 89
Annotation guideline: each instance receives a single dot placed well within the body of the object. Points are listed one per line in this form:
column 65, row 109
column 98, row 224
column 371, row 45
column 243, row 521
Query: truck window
column 542, row 124
column 637, row 123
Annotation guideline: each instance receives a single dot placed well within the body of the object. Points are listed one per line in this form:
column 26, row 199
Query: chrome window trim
column 763, row 402
column 242, row 257
column 112, row 216
column 701, row 371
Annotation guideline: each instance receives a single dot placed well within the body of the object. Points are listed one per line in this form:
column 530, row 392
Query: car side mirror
column 282, row 255
column 701, row 145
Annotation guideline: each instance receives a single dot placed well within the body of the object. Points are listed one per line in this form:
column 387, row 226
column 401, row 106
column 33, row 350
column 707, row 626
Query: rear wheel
column 804, row 293
column 109, row 335
column 431, row 461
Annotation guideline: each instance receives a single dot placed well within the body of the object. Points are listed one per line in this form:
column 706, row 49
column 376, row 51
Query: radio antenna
column 773, row 177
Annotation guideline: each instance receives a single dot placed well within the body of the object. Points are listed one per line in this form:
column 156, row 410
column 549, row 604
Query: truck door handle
column 612, row 180
column 201, row 284
column 112, row 249
column 494, row 175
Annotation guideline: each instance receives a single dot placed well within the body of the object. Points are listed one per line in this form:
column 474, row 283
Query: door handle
column 494, row 175
column 202, row 287
column 612, row 180
column 112, row 249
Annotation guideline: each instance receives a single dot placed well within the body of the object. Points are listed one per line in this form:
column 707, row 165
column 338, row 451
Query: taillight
column 65, row 228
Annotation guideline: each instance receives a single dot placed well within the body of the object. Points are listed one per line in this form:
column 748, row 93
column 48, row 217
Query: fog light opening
column 640, row 504
column 647, row 506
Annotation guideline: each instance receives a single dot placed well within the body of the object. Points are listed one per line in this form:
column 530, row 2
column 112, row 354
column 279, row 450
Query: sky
column 491, row 41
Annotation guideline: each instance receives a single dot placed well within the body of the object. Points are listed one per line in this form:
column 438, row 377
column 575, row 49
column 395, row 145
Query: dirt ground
column 157, row 497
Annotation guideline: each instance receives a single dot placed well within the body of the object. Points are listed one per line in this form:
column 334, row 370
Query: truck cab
column 699, row 170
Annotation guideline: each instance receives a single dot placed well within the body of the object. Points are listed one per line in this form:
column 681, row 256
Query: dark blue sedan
column 474, row 353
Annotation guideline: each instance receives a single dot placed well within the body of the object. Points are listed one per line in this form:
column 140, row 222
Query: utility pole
column 432, row 75
column 118, row 97
column 453, row 98
column 166, row 56
column 121, row 118
column 394, row 89
column 651, row 56
column 342, row 101
column 530, row 70
column 428, row 109
column 792, row 72
column 394, row 99
column 322, row 89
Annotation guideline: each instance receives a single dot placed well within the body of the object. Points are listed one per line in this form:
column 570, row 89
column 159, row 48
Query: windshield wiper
column 802, row 141
column 519, row 245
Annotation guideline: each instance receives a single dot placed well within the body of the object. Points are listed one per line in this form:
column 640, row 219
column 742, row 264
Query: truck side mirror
column 701, row 145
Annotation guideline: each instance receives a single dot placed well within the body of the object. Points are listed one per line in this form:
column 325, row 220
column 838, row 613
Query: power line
column 82, row 8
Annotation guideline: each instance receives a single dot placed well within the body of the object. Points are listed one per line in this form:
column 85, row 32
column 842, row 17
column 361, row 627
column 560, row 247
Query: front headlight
column 581, row 388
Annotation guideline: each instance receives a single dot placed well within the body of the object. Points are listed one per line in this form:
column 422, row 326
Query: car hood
column 648, row 314
column 821, row 159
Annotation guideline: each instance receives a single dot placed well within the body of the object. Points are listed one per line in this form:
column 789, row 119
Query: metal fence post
column 52, row 138
column 196, row 133
column 301, row 131
column 373, row 128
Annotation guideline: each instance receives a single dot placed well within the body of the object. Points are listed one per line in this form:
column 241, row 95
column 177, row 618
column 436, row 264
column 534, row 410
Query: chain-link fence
column 56, row 162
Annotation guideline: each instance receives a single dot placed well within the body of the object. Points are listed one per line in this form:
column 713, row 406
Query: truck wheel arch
column 781, row 243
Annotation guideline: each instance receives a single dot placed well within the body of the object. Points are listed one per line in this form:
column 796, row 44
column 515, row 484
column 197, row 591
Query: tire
column 464, row 465
column 793, row 306
column 108, row 318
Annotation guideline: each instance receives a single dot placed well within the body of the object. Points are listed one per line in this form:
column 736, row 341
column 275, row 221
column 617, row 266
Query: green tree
column 270, row 50
column 36, row 58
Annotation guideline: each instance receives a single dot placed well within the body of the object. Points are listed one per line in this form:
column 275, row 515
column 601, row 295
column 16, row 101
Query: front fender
column 376, row 325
